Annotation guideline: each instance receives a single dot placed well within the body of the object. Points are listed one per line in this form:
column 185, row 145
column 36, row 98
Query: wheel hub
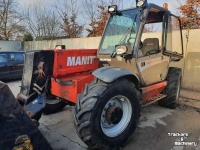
column 114, row 115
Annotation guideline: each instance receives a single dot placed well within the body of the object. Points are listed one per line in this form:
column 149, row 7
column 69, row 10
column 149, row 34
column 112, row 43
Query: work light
column 140, row 3
column 112, row 9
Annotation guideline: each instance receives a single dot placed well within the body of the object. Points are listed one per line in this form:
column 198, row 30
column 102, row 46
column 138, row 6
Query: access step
column 153, row 100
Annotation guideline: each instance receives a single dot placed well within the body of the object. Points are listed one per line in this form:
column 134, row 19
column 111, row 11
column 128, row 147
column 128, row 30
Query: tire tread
column 173, row 77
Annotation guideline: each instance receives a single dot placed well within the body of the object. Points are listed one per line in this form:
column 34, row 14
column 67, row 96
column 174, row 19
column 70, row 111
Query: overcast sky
column 126, row 2
column 82, row 18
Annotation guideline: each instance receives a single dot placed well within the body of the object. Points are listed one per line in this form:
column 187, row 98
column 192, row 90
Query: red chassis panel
column 70, row 87
column 74, row 61
column 152, row 90
column 72, row 70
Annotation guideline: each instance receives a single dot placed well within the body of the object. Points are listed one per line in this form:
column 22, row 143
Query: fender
column 110, row 73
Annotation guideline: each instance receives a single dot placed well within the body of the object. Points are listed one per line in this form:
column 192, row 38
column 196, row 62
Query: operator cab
column 148, row 25
column 143, row 40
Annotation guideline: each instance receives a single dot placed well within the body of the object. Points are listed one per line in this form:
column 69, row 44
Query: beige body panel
column 106, row 60
column 153, row 68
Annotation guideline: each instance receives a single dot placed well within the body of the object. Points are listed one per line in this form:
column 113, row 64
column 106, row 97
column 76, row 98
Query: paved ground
column 156, row 124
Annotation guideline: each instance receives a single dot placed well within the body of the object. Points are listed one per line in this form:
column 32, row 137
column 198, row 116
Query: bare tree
column 42, row 22
column 68, row 12
column 153, row 27
column 190, row 19
column 97, row 26
column 90, row 12
column 10, row 20
column 119, row 3
column 96, row 12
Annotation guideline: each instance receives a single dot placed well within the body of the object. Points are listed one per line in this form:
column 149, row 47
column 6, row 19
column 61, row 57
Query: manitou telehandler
column 130, row 70
column 134, row 72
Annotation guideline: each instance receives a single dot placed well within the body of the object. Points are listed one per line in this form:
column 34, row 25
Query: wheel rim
column 116, row 116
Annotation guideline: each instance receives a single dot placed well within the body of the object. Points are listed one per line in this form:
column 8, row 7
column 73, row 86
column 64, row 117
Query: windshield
column 121, row 29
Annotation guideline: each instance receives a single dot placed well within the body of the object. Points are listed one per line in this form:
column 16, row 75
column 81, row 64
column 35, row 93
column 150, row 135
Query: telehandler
column 130, row 70
column 133, row 72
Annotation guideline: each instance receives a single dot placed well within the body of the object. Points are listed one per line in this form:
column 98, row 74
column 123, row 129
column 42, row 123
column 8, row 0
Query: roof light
column 140, row 3
column 112, row 9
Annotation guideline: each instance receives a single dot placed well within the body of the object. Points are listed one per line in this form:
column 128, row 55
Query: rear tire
column 172, row 89
column 53, row 103
column 106, row 114
column 53, row 106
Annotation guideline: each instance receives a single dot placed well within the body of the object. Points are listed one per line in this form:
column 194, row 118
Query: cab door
column 172, row 37
column 4, row 66
column 152, row 64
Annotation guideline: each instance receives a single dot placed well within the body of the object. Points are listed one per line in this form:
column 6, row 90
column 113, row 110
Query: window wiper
column 113, row 54
column 123, row 39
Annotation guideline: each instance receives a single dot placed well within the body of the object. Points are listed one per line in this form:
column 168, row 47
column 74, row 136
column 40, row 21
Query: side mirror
column 123, row 49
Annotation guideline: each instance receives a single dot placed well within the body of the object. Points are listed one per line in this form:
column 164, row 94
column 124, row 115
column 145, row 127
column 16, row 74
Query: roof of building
column 10, row 51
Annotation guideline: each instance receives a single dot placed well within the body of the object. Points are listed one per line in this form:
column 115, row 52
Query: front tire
column 106, row 114
column 172, row 89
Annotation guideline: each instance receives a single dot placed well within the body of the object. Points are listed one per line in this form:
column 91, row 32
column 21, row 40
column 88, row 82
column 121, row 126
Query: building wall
column 10, row 45
column 190, row 64
column 73, row 43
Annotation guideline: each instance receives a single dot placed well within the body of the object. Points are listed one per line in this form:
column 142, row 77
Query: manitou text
column 80, row 60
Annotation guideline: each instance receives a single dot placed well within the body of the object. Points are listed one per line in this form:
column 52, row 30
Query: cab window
column 174, row 36
column 151, row 40
column 16, row 57
column 3, row 58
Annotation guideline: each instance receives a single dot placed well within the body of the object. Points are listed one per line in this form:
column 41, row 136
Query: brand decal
column 105, row 59
column 79, row 60
column 150, row 44
column 153, row 61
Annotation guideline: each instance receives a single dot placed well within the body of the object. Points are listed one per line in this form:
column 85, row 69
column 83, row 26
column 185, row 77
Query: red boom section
column 72, row 70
